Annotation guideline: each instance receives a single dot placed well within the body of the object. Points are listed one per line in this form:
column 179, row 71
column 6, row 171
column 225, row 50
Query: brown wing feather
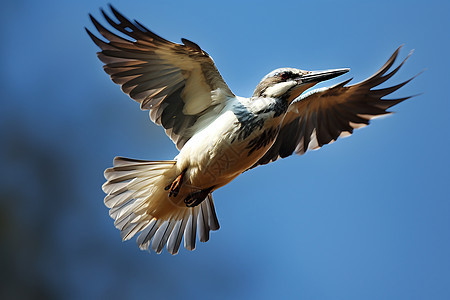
column 323, row 115
column 174, row 81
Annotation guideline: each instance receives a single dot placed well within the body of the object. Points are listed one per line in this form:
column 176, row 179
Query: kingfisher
column 219, row 135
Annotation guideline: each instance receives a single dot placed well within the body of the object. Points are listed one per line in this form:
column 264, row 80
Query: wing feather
column 175, row 82
column 323, row 115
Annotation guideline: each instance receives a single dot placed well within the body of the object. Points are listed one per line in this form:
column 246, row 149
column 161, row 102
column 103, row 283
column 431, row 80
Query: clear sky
column 367, row 217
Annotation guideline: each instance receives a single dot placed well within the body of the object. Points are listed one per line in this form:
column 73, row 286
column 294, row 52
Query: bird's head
column 289, row 83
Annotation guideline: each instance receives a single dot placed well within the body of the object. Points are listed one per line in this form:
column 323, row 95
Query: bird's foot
column 192, row 202
column 175, row 186
column 196, row 198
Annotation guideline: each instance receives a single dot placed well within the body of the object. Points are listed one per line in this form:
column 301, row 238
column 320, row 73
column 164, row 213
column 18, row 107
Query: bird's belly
column 218, row 154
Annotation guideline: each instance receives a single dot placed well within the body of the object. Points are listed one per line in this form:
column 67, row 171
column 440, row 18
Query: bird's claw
column 196, row 198
column 175, row 186
column 192, row 202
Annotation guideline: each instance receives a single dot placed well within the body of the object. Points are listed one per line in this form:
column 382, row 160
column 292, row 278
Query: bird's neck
column 255, row 114
column 274, row 107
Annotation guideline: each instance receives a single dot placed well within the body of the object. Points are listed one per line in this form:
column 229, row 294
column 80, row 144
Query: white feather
column 279, row 89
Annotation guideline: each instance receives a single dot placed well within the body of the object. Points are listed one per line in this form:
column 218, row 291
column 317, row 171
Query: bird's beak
column 318, row 76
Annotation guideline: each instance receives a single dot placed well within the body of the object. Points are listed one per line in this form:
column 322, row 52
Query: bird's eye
column 285, row 75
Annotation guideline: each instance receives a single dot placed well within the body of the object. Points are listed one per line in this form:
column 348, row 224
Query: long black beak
column 318, row 76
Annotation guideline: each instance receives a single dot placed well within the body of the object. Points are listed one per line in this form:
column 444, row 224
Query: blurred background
column 367, row 217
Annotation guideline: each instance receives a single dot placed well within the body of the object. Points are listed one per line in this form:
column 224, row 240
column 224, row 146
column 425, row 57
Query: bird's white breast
column 214, row 156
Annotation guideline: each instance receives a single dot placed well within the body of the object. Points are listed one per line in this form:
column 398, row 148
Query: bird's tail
column 139, row 203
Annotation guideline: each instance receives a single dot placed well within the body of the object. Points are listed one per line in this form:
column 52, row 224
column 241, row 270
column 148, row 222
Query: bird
column 219, row 135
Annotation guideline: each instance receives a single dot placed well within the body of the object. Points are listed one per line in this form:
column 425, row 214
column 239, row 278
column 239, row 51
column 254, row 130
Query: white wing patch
column 196, row 88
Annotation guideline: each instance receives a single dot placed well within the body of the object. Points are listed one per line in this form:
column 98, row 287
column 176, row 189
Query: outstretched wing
column 177, row 83
column 323, row 115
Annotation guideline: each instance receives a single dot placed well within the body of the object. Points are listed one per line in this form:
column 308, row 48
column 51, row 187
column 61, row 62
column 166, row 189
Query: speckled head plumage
column 289, row 83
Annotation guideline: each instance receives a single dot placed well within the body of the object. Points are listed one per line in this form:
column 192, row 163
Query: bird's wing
column 178, row 83
column 323, row 115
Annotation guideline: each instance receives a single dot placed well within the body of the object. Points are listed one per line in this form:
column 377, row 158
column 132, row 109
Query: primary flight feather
column 219, row 134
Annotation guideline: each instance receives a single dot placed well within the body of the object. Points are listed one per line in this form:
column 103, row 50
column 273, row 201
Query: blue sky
column 364, row 218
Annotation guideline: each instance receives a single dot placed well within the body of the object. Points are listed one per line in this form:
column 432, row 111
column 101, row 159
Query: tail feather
column 114, row 189
column 138, row 184
column 191, row 229
column 147, row 234
column 127, row 215
column 212, row 220
column 176, row 236
column 115, row 200
column 139, row 204
column 203, row 224
column 161, row 236
column 131, row 229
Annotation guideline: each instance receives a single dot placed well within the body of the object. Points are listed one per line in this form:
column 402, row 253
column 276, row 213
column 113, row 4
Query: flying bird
column 219, row 135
